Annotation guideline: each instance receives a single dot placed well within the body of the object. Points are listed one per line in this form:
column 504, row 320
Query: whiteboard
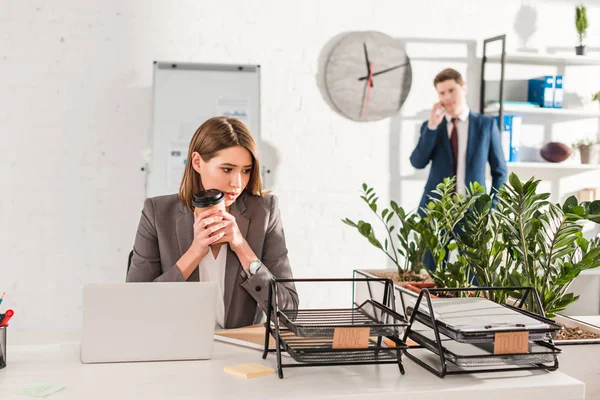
column 184, row 96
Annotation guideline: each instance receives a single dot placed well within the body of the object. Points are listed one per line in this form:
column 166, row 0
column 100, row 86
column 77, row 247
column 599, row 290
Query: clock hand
column 383, row 71
column 366, row 55
column 367, row 61
column 368, row 88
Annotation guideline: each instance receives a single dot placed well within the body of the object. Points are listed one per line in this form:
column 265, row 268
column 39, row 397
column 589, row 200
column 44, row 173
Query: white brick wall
column 75, row 84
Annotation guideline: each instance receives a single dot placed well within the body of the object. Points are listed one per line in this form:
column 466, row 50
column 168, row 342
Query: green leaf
column 594, row 218
column 441, row 256
column 594, row 207
column 578, row 210
column 569, row 203
column 384, row 213
column 515, row 183
column 390, row 216
column 349, row 222
column 364, row 228
column 364, row 186
column 374, row 240
column 373, row 207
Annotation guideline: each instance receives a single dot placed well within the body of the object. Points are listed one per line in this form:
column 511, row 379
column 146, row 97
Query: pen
column 2, row 298
column 7, row 317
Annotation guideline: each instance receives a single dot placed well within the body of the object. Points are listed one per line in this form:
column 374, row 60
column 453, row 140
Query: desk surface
column 58, row 363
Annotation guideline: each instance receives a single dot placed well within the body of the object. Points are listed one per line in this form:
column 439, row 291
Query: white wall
column 75, row 84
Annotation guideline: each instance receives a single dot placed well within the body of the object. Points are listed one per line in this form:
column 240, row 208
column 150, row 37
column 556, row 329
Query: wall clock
column 368, row 76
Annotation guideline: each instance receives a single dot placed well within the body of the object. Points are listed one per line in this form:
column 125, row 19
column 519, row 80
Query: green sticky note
column 42, row 390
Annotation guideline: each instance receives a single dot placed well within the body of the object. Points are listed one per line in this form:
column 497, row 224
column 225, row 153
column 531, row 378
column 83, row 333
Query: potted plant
column 589, row 150
column 515, row 238
column 581, row 24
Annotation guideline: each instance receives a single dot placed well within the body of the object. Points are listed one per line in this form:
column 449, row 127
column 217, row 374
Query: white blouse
column 212, row 269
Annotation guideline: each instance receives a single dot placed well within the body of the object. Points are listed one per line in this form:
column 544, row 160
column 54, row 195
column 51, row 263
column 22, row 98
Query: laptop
column 157, row 321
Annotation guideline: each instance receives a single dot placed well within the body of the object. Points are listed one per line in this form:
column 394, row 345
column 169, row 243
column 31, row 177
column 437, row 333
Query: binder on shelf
column 510, row 135
column 558, row 92
column 540, row 90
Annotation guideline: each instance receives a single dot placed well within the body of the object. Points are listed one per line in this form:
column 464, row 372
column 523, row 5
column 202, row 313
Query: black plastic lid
column 208, row 198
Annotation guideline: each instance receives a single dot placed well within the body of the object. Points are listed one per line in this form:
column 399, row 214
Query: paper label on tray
column 351, row 338
column 511, row 342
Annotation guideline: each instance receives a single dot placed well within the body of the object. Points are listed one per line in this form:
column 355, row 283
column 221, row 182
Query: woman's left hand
column 232, row 234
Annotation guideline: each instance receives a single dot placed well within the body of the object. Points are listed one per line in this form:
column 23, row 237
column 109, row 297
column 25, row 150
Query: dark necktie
column 454, row 142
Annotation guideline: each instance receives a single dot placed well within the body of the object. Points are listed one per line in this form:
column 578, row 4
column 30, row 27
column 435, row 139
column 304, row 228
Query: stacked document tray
column 307, row 335
column 462, row 331
column 479, row 354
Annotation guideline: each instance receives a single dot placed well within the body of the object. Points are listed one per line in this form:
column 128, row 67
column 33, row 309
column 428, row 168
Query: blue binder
column 510, row 137
column 541, row 91
column 558, row 91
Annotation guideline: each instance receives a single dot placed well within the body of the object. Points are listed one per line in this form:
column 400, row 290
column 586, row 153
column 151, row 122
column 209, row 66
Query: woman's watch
column 254, row 267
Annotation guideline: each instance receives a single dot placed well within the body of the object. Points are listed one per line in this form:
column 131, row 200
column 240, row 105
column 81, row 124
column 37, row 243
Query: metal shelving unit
column 534, row 59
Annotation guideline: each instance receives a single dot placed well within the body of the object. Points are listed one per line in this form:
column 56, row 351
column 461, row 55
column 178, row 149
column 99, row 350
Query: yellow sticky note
column 251, row 370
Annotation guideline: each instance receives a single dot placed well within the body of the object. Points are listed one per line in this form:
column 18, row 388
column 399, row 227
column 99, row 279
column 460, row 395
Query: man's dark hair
column 448, row 74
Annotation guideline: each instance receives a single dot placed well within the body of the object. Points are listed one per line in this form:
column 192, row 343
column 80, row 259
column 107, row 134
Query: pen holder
column 3, row 346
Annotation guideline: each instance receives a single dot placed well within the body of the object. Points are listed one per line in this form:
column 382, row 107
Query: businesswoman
column 241, row 248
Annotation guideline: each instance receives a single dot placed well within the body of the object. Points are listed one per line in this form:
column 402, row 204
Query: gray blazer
column 166, row 232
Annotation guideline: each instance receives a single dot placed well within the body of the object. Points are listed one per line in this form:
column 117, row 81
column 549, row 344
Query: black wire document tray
column 482, row 354
column 309, row 335
column 477, row 320
column 381, row 320
column 319, row 351
column 478, row 335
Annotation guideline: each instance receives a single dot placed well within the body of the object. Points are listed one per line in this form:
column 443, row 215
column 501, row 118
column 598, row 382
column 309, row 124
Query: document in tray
column 248, row 336
column 477, row 314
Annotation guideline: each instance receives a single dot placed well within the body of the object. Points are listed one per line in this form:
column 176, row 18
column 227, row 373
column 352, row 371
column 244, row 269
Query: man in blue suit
column 457, row 141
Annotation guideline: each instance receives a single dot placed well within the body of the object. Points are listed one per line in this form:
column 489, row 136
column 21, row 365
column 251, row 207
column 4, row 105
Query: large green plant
column 524, row 241
column 581, row 22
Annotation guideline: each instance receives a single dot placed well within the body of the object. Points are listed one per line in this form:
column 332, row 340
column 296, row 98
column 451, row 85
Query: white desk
column 58, row 363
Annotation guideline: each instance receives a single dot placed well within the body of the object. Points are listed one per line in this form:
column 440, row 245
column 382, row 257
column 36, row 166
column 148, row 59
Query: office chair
column 129, row 262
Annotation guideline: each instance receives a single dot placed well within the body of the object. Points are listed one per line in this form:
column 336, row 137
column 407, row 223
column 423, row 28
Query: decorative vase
column 589, row 154
column 581, row 50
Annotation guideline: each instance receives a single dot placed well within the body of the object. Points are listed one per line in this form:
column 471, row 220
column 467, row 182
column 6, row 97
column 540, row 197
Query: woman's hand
column 230, row 232
column 208, row 229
